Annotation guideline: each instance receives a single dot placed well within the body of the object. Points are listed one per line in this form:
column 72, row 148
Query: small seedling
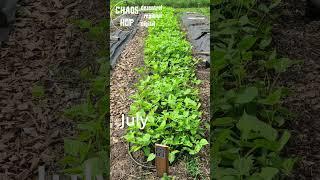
column 38, row 91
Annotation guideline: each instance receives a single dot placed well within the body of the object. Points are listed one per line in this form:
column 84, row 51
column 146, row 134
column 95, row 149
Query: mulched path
column 123, row 78
column 298, row 38
column 44, row 49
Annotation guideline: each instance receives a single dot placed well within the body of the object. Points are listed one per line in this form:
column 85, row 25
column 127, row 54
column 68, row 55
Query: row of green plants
column 167, row 94
column 248, row 118
column 89, row 146
column 170, row 3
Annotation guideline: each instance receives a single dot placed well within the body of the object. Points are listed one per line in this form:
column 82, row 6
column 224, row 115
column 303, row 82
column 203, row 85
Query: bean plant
column 167, row 94
column 89, row 147
column 247, row 125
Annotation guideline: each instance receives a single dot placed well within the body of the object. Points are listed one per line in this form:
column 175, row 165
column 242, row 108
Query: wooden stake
column 162, row 159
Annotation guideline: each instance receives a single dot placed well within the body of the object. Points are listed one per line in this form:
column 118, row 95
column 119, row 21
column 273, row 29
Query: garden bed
column 123, row 80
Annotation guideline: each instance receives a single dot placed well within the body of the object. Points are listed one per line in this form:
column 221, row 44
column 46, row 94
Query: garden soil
column 298, row 38
column 44, row 50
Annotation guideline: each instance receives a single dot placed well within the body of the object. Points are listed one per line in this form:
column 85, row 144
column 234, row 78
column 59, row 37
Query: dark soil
column 44, row 50
column 298, row 38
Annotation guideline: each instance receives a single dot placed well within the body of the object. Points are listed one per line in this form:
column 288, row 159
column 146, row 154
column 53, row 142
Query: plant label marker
column 162, row 159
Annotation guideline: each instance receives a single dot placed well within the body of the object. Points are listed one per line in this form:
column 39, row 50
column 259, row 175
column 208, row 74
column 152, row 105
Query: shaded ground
column 44, row 52
column 297, row 37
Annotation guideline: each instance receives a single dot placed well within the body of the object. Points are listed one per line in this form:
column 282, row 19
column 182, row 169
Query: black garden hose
column 142, row 164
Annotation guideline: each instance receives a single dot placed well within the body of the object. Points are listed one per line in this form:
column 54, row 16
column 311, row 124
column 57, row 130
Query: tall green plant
column 247, row 131
column 89, row 148
column 166, row 95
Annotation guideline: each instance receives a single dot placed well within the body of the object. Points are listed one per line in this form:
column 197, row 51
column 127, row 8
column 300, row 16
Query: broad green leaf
column 273, row 55
column 279, row 65
column 73, row 147
column 219, row 61
column 103, row 105
column 244, row 20
column 225, row 121
column 230, row 153
column 263, row 8
column 288, row 165
column 222, row 136
column 273, row 98
column 84, row 24
column 199, row 145
column 203, row 142
column 228, row 178
column 265, row 43
column 275, row 3
column 243, row 165
column 269, row 173
column 247, row 56
column 224, row 172
column 146, row 151
column 266, row 144
column 252, row 127
column 248, row 95
column 172, row 155
column 247, row 42
column 151, row 157
column 228, row 23
column 146, row 138
column 75, row 170
column 283, row 140
column 83, row 111
column 226, row 31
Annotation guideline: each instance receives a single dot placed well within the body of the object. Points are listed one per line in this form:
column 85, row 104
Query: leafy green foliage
column 89, row 147
column 168, row 97
column 37, row 91
column 193, row 167
column 247, row 134
column 166, row 177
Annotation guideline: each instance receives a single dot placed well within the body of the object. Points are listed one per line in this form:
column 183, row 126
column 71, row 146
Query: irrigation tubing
column 142, row 164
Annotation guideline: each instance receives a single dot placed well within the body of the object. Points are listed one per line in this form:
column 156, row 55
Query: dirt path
column 297, row 38
column 42, row 55
column 203, row 74
column 123, row 78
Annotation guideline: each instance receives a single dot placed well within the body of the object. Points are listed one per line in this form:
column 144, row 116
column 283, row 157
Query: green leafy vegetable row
column 166, row 94
column 247, row 127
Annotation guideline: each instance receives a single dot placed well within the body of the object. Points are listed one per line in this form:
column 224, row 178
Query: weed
column 37, row 91
column 166, row 177
column 193, row 167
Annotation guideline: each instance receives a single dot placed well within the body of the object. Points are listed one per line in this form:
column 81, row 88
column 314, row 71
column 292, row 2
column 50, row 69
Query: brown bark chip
column 123, row 78
column 298, row 38
column 37, row 53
